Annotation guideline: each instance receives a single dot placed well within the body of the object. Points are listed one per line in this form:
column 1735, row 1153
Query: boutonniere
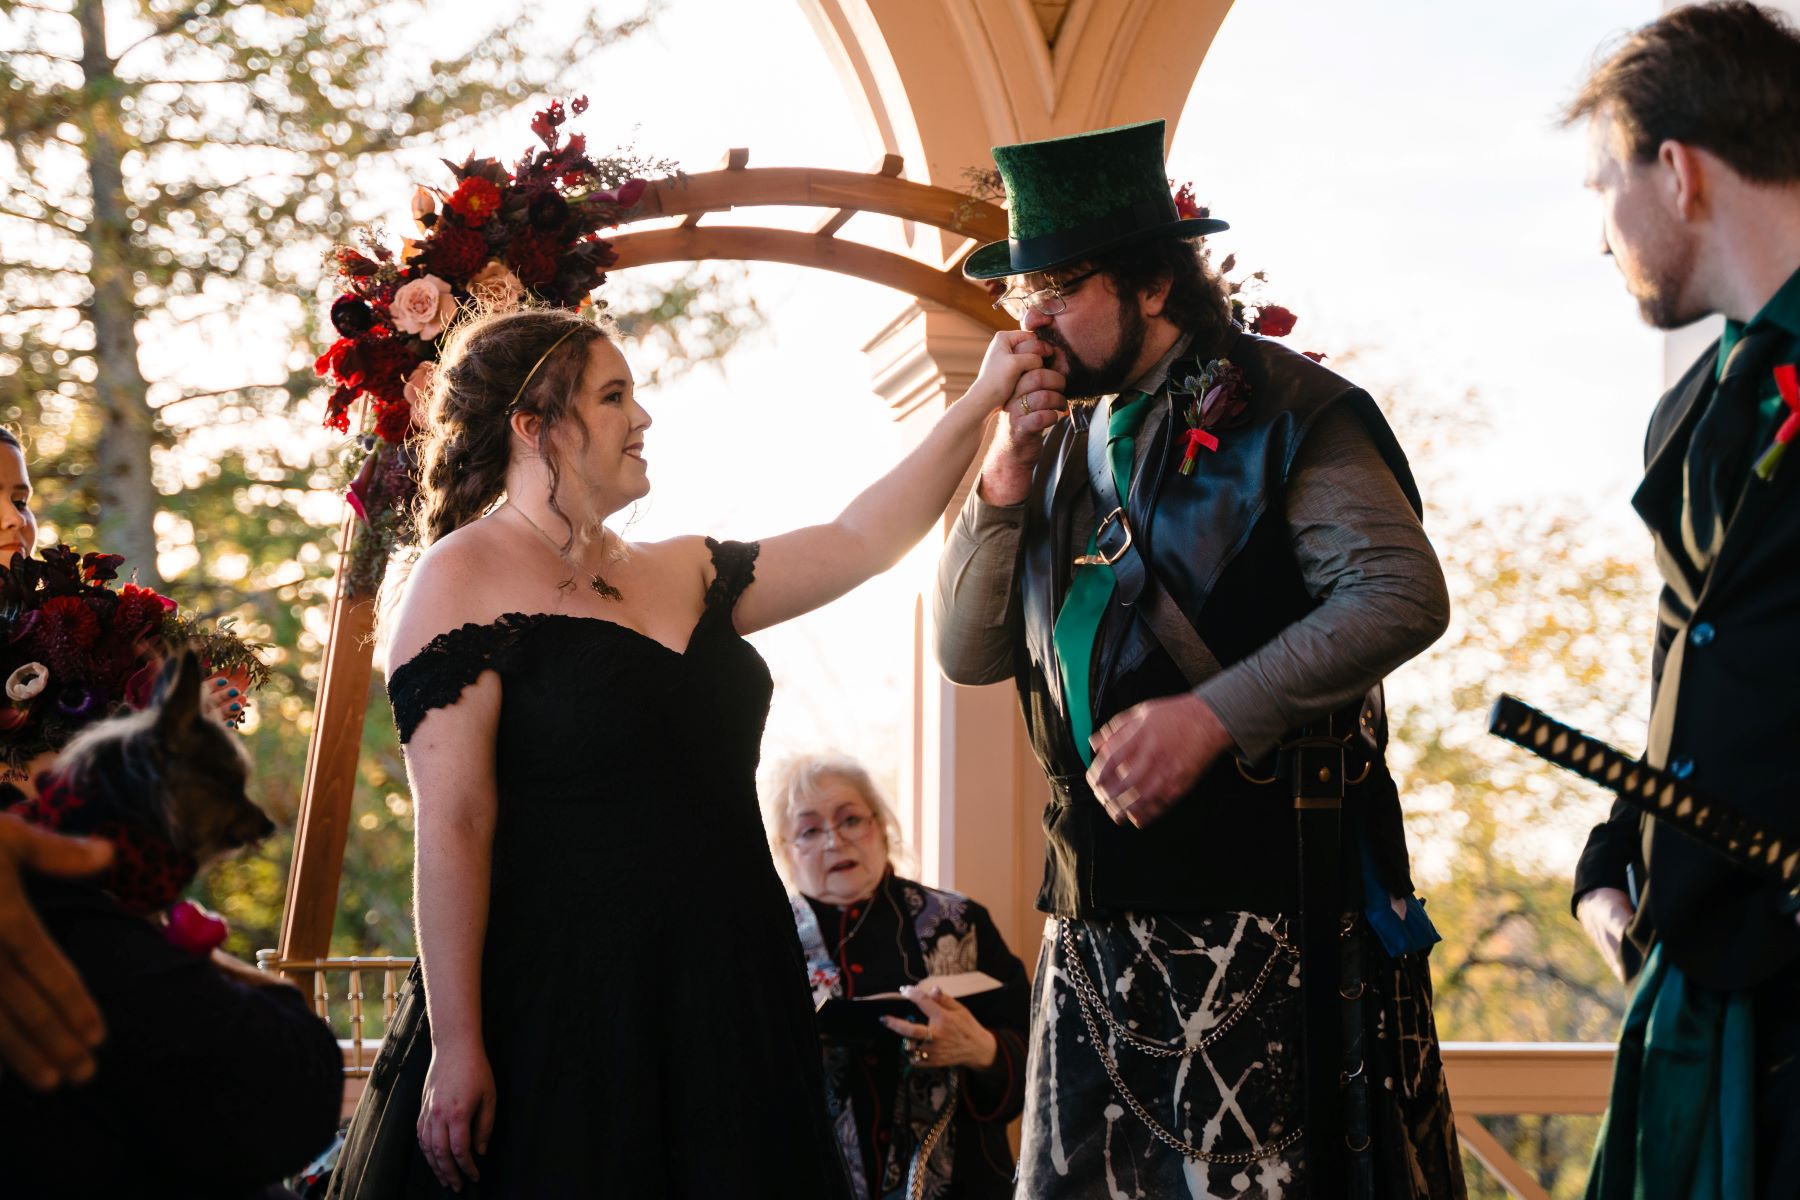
column 1787, row 380
column 1209, row 399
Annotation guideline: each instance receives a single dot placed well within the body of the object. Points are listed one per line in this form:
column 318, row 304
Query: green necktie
column 1078, row 624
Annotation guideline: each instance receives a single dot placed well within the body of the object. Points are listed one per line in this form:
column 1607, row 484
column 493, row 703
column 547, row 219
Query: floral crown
column 500, row 238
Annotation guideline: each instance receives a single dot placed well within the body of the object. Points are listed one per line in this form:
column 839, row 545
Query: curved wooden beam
column 688, row 243
column 718, row 191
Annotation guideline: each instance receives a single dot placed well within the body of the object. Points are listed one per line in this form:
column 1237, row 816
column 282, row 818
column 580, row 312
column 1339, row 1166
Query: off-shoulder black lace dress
column 644, row 1001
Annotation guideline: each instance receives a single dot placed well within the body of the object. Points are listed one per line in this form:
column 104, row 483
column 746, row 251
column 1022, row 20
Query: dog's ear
column 178, row 696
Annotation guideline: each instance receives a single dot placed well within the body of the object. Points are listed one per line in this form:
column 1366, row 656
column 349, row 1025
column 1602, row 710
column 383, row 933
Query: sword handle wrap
column 1656, row 792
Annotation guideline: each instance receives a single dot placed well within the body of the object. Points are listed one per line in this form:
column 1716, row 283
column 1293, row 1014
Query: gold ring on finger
column 1024, row 406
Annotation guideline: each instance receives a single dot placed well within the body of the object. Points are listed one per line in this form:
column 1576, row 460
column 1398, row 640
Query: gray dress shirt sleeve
column 973, row 591
column 1363, row 553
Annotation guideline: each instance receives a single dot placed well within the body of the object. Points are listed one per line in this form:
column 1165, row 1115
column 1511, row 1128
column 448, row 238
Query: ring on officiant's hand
column 1024, row 406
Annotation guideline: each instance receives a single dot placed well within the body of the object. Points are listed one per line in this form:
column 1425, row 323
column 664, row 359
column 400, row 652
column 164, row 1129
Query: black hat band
column 1064, row 244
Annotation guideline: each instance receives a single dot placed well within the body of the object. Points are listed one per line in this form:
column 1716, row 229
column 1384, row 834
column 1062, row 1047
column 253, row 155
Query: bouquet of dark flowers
column 73, row 649
column 500, row 238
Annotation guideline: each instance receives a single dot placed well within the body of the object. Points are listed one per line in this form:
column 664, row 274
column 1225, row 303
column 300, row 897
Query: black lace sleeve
column 436, row 676
column 735, row 567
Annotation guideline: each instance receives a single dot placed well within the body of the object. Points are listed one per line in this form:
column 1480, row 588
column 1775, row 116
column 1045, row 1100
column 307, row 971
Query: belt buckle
column 1102, row 559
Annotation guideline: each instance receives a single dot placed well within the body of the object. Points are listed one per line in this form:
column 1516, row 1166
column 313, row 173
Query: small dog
column 166, row 785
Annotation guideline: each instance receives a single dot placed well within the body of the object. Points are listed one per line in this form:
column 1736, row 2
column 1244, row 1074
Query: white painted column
column 971, row 792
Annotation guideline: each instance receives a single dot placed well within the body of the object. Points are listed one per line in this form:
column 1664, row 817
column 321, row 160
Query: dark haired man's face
column 1097, row 337
column 1643, row 231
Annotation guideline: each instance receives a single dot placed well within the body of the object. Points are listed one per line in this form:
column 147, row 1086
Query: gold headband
column 526, row 382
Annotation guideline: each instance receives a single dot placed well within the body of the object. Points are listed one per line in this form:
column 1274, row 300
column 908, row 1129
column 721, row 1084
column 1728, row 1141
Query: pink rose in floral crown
column 423, row 306
column 496, row 287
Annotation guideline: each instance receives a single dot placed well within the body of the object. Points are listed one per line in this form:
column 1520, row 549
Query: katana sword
column 1717, row 826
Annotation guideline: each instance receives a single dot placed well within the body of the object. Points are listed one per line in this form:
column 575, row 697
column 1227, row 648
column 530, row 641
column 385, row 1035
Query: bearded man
column 1198, row 577
column 1694, row 150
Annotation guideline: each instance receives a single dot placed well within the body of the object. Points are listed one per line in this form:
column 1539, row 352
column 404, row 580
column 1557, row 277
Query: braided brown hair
column 468, row 442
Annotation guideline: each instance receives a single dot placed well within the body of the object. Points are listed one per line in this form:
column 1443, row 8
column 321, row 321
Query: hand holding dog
column 1150, row 755
column 49, row 1024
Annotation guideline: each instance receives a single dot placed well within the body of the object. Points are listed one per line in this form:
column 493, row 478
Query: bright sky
column 1395, row 167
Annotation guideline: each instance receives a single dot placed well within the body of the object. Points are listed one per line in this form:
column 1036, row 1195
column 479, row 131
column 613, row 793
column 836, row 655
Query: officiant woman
column 932, row 1094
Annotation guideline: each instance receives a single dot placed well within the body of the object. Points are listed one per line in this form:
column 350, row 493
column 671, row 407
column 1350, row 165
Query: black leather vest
column 1217, row 540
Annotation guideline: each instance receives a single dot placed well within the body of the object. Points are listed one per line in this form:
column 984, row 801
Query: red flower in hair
column 474, row 200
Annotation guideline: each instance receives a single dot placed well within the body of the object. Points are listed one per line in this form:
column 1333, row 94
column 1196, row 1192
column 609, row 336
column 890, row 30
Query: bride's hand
column 456, row 1113
column 1011, row 355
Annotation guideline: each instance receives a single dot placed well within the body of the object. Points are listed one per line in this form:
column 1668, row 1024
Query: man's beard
column 1664, row 276
column 1088, row 383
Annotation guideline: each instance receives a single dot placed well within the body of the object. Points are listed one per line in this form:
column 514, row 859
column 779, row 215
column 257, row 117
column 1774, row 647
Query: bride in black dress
column 614, row 998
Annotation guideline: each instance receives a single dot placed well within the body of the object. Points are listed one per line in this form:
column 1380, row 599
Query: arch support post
column 971, row 793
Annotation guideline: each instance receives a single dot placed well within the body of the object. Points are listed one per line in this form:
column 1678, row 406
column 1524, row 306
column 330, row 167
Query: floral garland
column 499, row 239
column 76, row 651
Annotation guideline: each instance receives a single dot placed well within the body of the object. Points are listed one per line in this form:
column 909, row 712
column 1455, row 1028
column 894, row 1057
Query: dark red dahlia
column 455, row 252
column 66, row 630
column 394, row 421
column 385, row 363
column 140, row 610
column 534, row 256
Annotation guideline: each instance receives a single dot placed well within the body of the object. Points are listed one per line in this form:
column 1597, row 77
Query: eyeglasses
column 1047, row 300
column 853, row 828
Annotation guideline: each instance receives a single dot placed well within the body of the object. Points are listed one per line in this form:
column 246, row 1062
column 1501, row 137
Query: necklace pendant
column 603, row 589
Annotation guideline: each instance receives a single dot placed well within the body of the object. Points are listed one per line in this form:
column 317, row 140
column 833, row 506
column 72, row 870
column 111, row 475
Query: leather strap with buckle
column 1106, row 538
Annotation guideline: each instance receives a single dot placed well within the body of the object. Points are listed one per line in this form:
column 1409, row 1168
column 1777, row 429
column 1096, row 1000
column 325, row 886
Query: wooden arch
column 341, row 707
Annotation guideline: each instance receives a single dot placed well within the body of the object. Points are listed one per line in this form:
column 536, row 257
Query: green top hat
column 1069, row 198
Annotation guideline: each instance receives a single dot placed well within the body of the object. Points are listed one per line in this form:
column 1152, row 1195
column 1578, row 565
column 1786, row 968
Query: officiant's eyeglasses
column 1047, row 300
column 853, row 828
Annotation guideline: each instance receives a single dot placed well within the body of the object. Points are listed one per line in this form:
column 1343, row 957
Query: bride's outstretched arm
column 799, row 571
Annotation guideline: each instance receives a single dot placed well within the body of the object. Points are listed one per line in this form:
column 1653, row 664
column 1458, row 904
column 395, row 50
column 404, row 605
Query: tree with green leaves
column 173, row 172
column 172, row 176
